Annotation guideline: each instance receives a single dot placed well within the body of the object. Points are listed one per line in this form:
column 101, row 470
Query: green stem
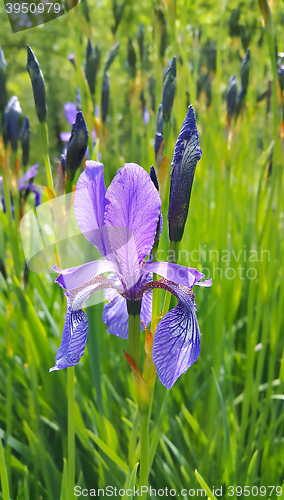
column 144, row 452
column 134, row 337
column 3, row 473
column 13, row 239
column 71, row 433
column 44, row 140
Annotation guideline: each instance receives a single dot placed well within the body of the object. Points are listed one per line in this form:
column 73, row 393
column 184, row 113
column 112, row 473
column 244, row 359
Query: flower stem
column 44, row 141
column 71, row 433
column 134, row 337
column 144, row 452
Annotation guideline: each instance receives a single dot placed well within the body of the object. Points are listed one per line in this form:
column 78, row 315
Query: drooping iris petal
column 115, row 317
column 177, row 339
column 132, row 214
column 73, row 340
column 205, row 283
column 70, row 111
column 32, row 187
column 77, row 276
column 29, row 174
column 90, row 203
column 173, row 272
column 74, row 336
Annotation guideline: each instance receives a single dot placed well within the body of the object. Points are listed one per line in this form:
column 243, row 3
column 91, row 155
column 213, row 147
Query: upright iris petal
column 186, row 155
column 11, row 123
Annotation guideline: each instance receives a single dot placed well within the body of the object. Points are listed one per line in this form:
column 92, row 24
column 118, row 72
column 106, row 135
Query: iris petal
column 89, row 204
column 74, row 335
column 77, row 276
column 132, row 212
column 173, row 272
column 177, row 339
column 74, row 339
column 115, row 317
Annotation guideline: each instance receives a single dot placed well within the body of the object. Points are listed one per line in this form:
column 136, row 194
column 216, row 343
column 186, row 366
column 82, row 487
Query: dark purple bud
column 105, row 98
column 77, row 145
column 159, row 148
column 117, row 14
column 72, row 59
column 152, row 84
column 93, row 56
column 25, row 140
column 85, row 10
column 160, row 122
column 140, row 38
column 131, row 58
column 245, row 69
column 169, row 90
column 154, row 177
column 37, row 80
column 281, row 77
column 186, row 155
column 3, row 269
column 231, row 96
column 11, row 123
column 3, row 95
column 112, row 55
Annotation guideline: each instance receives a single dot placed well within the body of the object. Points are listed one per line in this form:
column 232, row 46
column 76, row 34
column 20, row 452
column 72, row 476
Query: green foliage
column 222, row 423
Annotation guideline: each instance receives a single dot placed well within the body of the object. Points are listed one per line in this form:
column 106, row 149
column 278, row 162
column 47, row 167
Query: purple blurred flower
column 121, row 222
column 25, row 185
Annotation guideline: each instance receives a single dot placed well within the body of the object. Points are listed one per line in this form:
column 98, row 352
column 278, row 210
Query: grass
column 222, row 423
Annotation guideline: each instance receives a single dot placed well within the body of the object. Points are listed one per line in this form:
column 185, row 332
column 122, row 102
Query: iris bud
column 77, row 145
column 231, row 95
column 131, row 58
column 152, row 84
column 245, row 68
column 37, row 80
column 117, row 14
column 92, row 65
column 160, row 119
column 3, row 96
column 169, row 90
column 25, row 140
column 186, row 155
column 11, row 126
column 105, row 98
column 281, row 77
column 112, row 55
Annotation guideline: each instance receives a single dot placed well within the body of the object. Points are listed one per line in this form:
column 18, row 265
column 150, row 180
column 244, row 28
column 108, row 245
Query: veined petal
column 173, row 272
column 77, row 276
column 177, row 339
column 74, row 338
column 146, row 309
column 115, row 317
column 89, row 204
column 132, row 212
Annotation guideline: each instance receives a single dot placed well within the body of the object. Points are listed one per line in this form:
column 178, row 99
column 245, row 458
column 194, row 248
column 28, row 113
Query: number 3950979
column 25, row 8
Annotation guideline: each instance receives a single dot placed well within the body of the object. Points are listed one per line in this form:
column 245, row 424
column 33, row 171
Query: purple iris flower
column 25, row 185
column 121, row 222
column 70, row 110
